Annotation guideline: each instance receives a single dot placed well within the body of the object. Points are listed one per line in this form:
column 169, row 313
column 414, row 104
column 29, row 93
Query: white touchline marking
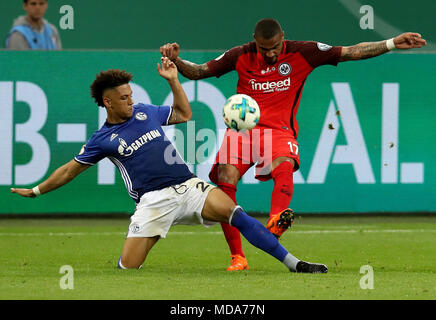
column 184, row 233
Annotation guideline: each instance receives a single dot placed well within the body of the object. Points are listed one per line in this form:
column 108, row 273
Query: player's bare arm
column 365, row 50
column 181, row 108
column 58, row 178
column 188, row 69
column 193, row 71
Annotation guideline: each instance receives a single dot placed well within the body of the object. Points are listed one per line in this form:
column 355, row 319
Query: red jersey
column 276, row 88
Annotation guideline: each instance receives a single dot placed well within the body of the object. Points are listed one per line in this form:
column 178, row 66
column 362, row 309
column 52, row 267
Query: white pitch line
column 183, row 233
column 61, row 234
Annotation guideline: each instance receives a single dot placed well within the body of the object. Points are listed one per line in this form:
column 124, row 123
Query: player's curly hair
column 106, row 80
column 267, row 28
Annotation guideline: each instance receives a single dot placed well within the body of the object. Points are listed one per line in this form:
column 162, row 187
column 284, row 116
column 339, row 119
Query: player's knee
column 283, row 161
column 228, row 211
column 228, row 174
column 127, row 262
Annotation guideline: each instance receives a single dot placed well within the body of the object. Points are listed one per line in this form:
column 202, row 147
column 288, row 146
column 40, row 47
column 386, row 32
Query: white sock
column 120, row 265
column 291, row 262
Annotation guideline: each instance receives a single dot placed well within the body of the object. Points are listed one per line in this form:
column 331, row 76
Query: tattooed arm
column 363, row 50
column 367, row 50
column 193, row 71
column 188, row 69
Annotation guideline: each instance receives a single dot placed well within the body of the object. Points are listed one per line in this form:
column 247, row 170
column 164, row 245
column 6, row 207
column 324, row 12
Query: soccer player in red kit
column 273, row 71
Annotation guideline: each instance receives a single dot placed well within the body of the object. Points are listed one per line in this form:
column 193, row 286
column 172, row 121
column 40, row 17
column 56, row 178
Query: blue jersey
column 145, row 157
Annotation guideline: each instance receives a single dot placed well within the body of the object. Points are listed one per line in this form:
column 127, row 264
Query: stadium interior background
column 47, row 113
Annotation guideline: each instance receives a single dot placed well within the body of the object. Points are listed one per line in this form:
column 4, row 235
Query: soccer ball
column 241, row 112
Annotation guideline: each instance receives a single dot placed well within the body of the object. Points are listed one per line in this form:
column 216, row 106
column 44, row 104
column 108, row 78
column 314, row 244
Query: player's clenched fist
column 170, row 50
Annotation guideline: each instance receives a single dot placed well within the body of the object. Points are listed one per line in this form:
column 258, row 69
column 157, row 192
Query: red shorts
column 259, row 146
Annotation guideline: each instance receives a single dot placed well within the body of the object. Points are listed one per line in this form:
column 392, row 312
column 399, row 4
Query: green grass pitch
column 190, row 263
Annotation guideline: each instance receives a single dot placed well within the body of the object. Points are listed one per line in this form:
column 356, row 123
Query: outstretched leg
column 219, row 207
column 261, row 238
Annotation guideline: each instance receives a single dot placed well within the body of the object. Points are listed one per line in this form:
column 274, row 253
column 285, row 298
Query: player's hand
column 170, row 50
column 24, row 192
column 409, row 40
column 168, row 70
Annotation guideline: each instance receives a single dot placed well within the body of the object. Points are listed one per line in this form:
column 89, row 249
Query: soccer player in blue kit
column 156, row 178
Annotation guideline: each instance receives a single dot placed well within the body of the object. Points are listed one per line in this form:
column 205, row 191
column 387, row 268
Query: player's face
column 119, row 102
column 36, row 8
column 270, row 49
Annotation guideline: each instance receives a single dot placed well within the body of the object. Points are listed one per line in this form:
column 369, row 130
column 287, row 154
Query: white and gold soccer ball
column 241, row 112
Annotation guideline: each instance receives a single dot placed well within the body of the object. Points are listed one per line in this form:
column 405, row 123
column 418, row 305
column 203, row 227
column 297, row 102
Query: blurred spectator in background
column 32, row 31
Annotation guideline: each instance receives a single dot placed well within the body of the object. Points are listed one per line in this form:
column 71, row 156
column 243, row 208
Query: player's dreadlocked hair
column 106, row 80
column 267, row 28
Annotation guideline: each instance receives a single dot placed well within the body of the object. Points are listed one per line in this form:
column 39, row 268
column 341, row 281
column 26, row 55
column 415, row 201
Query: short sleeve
column 161, row 113
column 225, row 62
column 318, row 54
column 90, row 154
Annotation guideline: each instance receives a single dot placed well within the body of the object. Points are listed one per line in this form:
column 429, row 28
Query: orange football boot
column 279, row 223
column 238, row 263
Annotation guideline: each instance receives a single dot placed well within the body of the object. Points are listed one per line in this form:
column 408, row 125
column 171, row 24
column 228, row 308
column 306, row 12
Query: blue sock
column 257, row 234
